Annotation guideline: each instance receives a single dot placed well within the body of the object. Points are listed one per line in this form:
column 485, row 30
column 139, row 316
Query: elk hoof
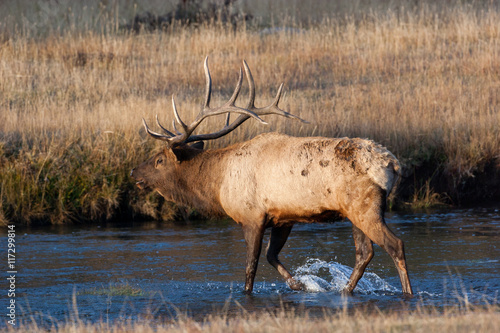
column 295, row 285
column 347, row 291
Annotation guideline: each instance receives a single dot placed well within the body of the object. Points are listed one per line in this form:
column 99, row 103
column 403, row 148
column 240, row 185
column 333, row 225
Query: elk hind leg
column 277, row 240
column 364, row 254
column 370, row 220
column 376, row 229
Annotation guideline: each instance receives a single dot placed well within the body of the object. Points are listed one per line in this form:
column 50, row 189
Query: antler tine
column 208, row 85
column 163, row 128
column 207, row 111
column 154, row 134
column 175, row 128
column 251, row 86
column 237, row 89
column 177, row 117
column 271, row 108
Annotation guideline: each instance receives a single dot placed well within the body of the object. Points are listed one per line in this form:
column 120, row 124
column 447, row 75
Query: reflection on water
column 156, row 270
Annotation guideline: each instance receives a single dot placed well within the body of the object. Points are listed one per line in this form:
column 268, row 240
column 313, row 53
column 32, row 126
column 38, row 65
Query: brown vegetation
column 421, row 320
column 423, row 82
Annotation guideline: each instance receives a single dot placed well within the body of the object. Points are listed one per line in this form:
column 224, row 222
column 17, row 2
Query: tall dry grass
column 421, row 320
column 426, row 84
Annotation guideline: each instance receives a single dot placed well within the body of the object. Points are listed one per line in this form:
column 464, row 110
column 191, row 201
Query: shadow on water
column 154, row 270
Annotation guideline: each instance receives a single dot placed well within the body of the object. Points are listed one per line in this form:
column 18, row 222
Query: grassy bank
column 424, row 83
column 423, row 320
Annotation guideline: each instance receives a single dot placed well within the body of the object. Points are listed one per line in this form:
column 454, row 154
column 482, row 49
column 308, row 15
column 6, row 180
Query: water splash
column 320, row 276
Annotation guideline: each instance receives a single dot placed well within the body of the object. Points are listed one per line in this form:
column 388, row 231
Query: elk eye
column 159, row 162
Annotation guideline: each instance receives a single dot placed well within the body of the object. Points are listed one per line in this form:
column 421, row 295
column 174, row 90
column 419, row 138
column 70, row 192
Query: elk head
column 164, row 168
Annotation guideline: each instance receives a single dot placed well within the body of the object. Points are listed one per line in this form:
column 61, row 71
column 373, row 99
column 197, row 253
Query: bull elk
column 275, row 180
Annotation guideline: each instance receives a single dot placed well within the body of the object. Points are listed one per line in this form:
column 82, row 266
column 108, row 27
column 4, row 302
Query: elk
column 274, row 181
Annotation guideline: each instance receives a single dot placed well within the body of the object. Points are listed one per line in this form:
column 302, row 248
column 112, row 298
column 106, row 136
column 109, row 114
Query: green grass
column 116, row 289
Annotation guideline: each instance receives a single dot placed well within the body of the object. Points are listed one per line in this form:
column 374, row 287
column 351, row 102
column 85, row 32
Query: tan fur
column 292, row 179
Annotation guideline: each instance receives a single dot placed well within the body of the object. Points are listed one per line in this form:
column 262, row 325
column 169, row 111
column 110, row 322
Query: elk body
column 274, row 181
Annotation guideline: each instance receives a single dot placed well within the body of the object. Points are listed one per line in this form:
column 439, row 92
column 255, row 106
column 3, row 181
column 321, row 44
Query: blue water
column 197, row 268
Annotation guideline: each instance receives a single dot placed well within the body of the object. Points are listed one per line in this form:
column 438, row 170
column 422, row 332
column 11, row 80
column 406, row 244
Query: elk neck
column 197, row 181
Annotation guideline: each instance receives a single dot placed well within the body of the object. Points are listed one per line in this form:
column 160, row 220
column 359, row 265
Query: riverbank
column 425, row 84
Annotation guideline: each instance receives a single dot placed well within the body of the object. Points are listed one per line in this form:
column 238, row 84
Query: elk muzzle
column 140, row 183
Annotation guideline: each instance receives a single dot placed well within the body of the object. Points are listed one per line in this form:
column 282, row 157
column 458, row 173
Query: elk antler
column 184, row 136
column 270, row 109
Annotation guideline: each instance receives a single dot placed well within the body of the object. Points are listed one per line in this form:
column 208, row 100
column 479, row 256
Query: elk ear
column 173, row 154
column 198, row 145
column 180, row 154
column 184, row 152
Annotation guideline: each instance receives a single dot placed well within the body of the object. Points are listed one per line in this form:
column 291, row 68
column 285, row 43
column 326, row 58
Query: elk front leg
column 364, row 254
column 253, row 239
column 277, row 240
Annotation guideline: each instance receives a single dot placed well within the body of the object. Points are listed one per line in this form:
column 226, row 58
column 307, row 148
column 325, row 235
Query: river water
column 160, row 270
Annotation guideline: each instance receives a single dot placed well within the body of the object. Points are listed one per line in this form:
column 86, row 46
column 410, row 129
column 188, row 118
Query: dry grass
column 423, row 320
column 424, row 83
